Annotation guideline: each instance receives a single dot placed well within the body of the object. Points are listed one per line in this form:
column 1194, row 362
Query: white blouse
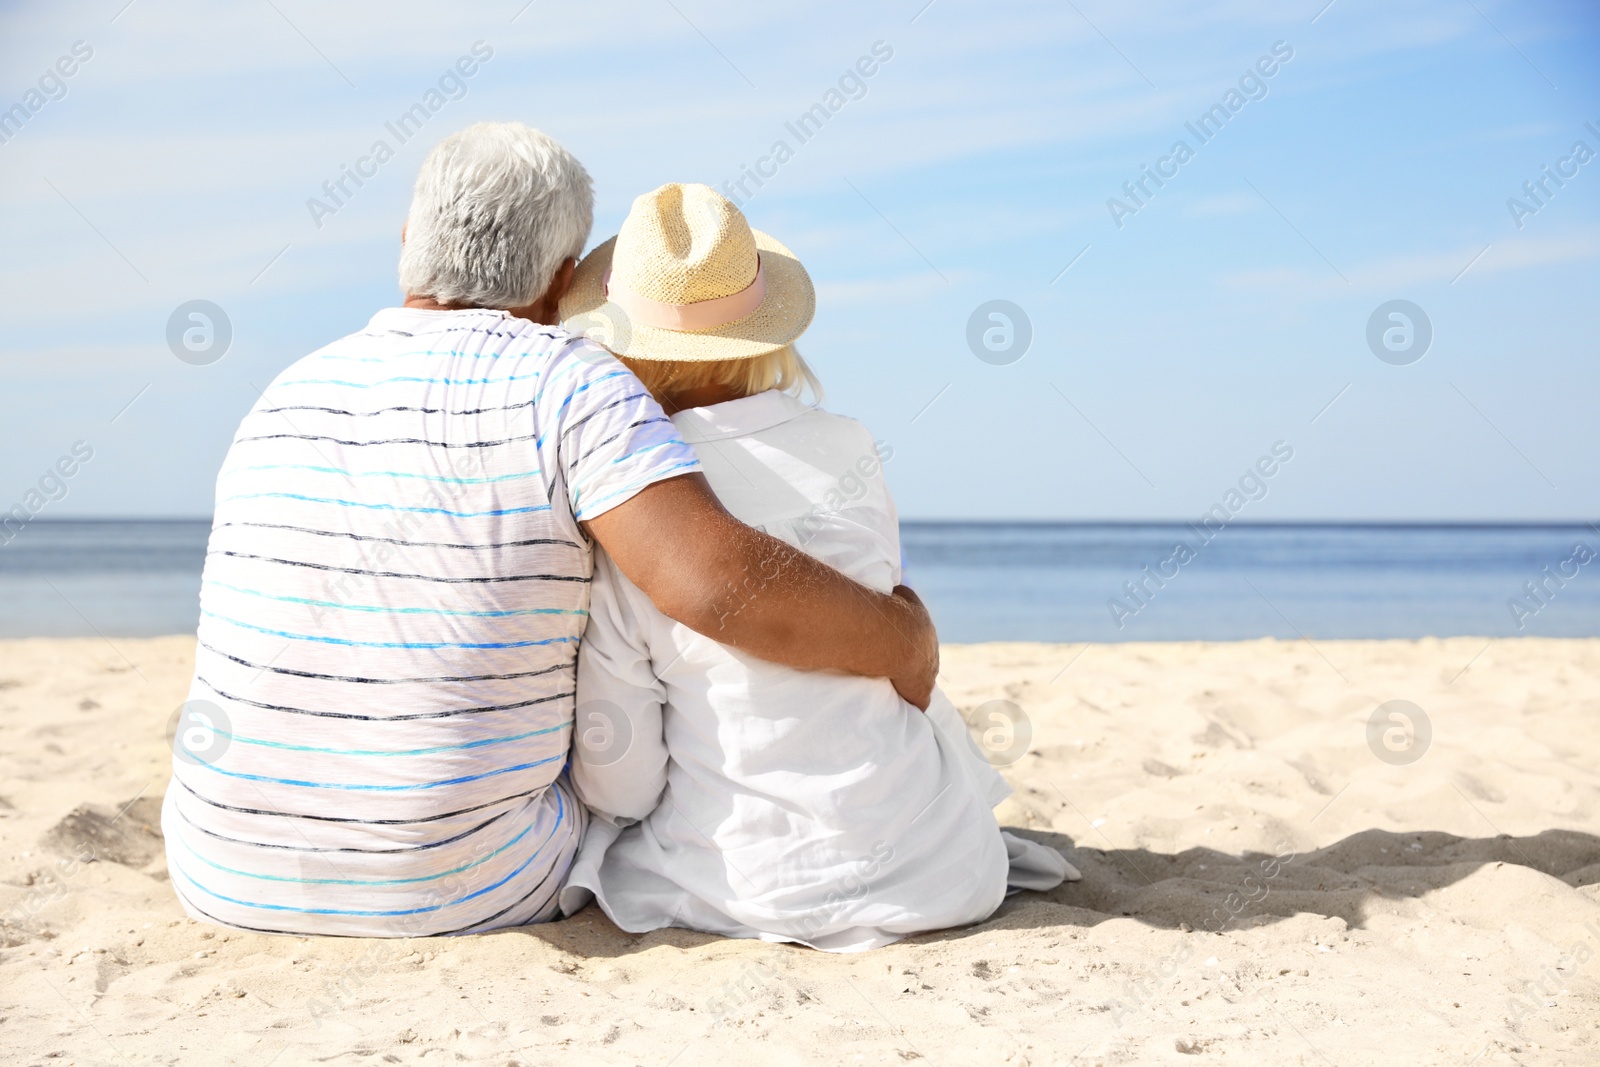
column 742, row 798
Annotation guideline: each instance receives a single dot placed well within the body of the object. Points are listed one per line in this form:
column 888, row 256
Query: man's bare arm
column 704, row 568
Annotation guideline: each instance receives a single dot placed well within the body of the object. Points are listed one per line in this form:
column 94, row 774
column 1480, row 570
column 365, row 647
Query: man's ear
column 547, row 309
column 562, row 282
column 403, row 226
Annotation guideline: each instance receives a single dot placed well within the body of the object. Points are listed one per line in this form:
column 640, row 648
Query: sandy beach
column 1259, row 887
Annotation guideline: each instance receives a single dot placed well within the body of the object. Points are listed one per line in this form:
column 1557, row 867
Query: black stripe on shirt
column 204, row 914
column 604, row 407
column 358, row 822
column 385, row 441
column 313, row 848
column 601, row 444
column 397, row 574
column 306, row 933
column 380, row 718
column 387, row 681
column 554, row 867
column 381, row 411
column 530, row 330
column 397, row 541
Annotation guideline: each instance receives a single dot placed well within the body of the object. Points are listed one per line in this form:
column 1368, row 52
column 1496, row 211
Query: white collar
column 738, row 418
column 415, row 320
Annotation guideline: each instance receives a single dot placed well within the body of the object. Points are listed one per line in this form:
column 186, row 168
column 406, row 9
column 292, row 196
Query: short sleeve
column 611, row 437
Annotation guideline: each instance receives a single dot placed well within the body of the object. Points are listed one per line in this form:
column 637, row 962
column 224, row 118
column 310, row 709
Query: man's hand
column 916, row 687
column 704, row 568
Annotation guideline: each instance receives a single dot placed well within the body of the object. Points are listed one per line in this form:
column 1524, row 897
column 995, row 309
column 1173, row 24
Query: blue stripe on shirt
column 384, row 507
column 507, row 613
column 583, row 511
column 406, row 378
column 560, row 818
column 583, row 388
column 354, row 788
column 423, row 352
column 642, row 450
column 358, row 881
column 388, row 644
column 394, row 752
column 382, row 474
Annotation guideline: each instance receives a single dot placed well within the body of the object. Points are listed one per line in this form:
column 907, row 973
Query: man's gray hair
column 496, row 210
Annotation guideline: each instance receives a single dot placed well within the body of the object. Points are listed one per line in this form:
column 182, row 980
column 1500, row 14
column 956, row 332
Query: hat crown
column 684, row 243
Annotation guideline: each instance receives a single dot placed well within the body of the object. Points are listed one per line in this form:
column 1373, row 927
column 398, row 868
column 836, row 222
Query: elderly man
column 398, row 578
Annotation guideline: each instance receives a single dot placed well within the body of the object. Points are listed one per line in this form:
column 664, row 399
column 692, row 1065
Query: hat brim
column 784, row 314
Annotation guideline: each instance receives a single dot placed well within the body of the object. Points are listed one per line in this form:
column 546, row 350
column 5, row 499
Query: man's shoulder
column 478, row 327
column 392, row 331
column 581, row 366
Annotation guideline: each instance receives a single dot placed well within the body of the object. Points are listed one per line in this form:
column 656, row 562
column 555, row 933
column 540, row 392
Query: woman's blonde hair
column 782, row 369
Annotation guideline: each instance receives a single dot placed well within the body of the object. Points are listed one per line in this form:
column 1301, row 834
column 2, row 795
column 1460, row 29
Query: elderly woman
column 731, row 795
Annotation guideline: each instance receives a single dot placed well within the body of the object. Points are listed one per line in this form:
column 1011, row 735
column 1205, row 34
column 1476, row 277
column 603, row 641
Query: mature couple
column 404, row 607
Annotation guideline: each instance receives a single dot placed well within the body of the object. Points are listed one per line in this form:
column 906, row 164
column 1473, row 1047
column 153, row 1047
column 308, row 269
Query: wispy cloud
column 1416, row 268
column 1228, row 204
column 887, row 292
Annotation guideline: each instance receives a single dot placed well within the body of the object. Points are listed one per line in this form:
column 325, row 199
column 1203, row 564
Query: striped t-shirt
column 390, row 611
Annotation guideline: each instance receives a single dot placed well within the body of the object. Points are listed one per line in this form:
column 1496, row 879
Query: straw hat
column 687, row 279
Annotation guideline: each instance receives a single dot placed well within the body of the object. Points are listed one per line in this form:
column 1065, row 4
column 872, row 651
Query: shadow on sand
column 1204, row 889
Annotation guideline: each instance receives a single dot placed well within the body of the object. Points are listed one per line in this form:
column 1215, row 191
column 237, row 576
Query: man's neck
column 536, row 312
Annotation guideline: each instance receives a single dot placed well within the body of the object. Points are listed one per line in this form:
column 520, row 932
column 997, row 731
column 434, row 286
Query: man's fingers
column 925, row 635
column 915, row 683
column 916, row 694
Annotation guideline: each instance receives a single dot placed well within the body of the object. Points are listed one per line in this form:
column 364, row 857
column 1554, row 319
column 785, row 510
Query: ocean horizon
column 994, row 581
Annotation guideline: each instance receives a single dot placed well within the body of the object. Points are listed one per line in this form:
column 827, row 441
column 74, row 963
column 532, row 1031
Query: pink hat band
column 700, row 315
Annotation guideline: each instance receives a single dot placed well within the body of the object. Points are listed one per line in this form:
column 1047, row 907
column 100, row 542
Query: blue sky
column 1227, row 313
